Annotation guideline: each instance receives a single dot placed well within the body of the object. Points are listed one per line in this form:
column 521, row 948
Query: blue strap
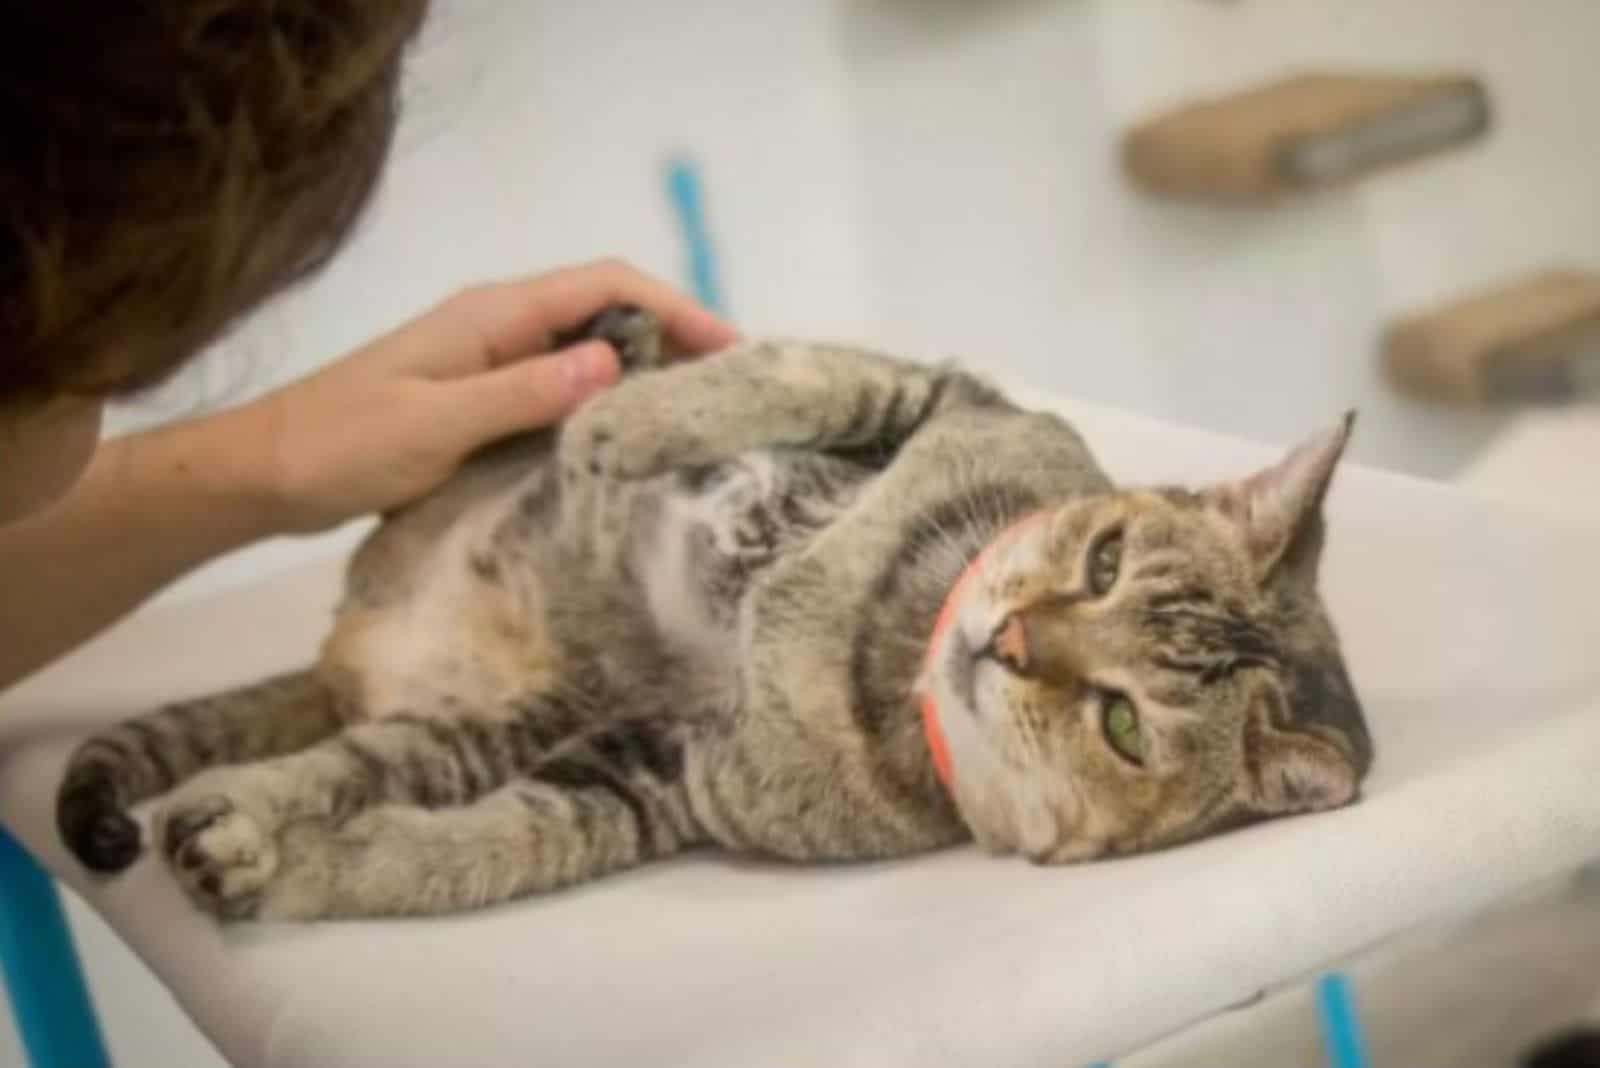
column 686, row 193
column 44, row 981
column 1341, row 1030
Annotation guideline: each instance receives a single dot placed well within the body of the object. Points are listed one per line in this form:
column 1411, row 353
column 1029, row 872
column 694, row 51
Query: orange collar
column 932, row 732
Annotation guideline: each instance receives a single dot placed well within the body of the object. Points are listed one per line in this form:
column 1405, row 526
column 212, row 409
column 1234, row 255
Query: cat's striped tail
column 144, row 757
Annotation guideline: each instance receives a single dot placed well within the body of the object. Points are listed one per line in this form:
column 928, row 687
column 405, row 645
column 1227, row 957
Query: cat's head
column 1131, row 670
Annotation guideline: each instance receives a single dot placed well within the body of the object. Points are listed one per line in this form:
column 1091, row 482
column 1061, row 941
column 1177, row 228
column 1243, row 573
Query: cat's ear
column 1279, row 510
column 1289, row 772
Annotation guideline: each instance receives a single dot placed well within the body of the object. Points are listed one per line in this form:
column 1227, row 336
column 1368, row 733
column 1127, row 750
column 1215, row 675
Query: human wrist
column 219, row 464
column 250, row 468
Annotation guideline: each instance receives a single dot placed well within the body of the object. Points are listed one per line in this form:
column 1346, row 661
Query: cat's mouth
column 962, row 671
column 971, row 648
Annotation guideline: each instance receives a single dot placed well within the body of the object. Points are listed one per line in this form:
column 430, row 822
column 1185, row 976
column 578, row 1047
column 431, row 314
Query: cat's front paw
column 634, row 332
column 221, row 854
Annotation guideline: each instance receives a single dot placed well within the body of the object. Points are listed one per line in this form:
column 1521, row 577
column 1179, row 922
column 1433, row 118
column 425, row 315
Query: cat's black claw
column 633, row 331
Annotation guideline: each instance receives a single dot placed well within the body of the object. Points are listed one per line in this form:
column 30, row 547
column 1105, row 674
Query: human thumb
column 536, row 392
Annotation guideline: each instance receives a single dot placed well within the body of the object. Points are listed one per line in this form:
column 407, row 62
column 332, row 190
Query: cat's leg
column 615, row 797
column 761, row 395
column 608, row 799
column 219, row 830
column 141, row 758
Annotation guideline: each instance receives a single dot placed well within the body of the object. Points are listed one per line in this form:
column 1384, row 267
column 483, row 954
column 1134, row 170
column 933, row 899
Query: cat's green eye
column 1120, row 721
column 1105, row 562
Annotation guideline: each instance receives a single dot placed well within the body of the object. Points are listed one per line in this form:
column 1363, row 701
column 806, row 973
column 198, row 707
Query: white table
column 1470, row 632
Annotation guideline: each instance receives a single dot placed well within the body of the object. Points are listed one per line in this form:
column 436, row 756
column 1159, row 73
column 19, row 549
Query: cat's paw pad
column 634, row 332
column 221, row 855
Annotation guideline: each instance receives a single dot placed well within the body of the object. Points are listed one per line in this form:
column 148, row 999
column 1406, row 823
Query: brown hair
column 167, row 165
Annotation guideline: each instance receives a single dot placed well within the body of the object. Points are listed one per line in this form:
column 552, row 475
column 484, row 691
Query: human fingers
column 528, row 394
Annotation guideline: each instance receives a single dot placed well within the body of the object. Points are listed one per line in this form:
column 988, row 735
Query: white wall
column 938, row 175
column 998, row 223
column 1292, row 302
column 995, row 225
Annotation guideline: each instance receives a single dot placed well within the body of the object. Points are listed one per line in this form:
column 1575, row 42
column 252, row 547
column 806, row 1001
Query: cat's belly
column 704, row 536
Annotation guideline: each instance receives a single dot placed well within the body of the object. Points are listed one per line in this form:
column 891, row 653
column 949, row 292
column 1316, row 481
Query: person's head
column 165, row 167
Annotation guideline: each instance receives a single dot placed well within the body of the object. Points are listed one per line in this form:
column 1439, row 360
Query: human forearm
column 151, row 507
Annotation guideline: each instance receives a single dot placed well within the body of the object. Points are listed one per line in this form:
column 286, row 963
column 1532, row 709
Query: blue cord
column 49, row 997
column 685, row 191
column 1341, row 1030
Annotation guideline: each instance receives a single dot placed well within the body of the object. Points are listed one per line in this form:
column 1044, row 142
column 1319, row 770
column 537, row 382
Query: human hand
column 392, row 420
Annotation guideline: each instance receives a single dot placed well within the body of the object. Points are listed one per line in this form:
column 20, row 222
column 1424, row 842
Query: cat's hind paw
column 220, row 854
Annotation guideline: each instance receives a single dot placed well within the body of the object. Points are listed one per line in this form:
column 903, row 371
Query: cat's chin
column 954, row 664
column 1037, row 837
column 960, row 671
column 1009, row 812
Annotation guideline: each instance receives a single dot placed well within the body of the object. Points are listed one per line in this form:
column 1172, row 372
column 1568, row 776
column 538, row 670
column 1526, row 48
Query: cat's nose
column 1009, row 643
column 1044, row 641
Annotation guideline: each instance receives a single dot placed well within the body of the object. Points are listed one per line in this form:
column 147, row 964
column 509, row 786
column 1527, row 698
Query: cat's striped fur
column 696, row 617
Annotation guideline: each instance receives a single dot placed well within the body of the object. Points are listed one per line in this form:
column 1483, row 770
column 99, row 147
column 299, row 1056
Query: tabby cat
column 700, row 614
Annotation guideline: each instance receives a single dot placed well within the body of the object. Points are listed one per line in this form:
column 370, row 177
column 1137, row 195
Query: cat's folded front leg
column 760, row 395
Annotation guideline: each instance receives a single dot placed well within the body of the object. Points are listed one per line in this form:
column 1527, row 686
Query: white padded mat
column 1471, row 631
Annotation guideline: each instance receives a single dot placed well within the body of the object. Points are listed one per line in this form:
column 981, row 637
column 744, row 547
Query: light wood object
column 1534, row 340
column 1303, row 132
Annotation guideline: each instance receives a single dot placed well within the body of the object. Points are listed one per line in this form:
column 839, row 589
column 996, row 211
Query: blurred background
column 942, row 178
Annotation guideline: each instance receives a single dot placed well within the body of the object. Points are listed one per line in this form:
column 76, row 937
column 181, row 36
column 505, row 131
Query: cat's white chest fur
column 704, row 544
